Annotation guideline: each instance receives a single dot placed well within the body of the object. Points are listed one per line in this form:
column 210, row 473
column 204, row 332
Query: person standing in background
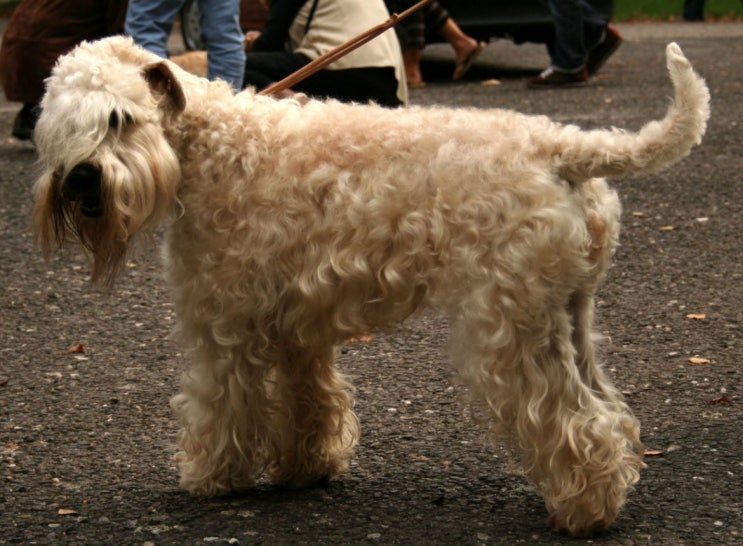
column 149, row 23
column 693, row 10
column 432, row 18
column 38, row 32
column 584, row 40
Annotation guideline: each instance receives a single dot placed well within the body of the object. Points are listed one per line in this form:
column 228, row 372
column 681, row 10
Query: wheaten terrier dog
column 295, row 226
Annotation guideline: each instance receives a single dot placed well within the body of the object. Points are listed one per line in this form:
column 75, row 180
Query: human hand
column 250, row 37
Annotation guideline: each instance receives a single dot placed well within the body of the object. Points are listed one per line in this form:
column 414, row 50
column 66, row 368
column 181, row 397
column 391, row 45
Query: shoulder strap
column 309, row 17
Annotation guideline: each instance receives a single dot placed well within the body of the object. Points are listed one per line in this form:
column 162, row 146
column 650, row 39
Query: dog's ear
column 164, row 83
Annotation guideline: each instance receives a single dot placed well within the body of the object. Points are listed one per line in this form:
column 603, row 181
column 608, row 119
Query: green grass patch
column 625, row 10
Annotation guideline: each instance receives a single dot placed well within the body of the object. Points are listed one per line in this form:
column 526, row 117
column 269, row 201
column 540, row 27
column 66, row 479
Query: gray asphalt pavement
column 86, row 435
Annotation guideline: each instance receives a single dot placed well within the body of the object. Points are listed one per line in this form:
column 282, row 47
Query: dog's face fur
column 115, row 174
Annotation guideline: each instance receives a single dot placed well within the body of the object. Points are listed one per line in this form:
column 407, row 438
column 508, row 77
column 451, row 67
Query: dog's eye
column 115, row 120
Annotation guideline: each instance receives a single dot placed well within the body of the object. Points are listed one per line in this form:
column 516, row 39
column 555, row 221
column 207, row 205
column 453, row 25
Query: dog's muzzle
column 83, row 184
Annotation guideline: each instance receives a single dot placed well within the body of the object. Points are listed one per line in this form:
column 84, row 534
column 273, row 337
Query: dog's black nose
column 83, row 184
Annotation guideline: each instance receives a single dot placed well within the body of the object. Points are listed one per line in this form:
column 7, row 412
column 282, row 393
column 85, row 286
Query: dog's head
column 108, row 169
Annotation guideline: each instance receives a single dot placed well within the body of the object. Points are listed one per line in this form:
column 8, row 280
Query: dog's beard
column 138, row 176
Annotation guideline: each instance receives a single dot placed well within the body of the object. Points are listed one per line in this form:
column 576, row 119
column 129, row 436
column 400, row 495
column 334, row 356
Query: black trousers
column 372, row 83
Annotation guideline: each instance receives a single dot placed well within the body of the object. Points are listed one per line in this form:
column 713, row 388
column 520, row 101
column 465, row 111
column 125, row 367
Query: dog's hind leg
column 318, row 426
column 577, row 441
column 606, row 432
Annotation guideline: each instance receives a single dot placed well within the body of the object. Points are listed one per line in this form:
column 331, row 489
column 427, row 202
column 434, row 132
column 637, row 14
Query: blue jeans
column 578, row 29
column 149, row 22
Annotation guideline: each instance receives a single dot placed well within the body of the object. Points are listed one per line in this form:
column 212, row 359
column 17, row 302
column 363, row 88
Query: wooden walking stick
column 334, row 54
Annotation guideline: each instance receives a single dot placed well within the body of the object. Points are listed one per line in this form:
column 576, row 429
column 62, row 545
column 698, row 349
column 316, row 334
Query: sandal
column 462, row 67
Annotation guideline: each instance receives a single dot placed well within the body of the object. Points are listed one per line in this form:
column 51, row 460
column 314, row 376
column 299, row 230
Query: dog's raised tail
column 658, row 144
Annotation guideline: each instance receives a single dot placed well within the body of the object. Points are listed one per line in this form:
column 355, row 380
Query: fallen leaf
column 720, row 400
column 79, row 348
column 698, row 360
column 697, row 316
column 653, row 452
column 66, row 512
column 667, row 228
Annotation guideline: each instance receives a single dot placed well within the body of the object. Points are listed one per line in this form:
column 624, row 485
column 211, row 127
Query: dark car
column 517, row 20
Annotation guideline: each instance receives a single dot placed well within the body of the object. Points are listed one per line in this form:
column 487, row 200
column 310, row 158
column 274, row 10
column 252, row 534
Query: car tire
column 191, row 26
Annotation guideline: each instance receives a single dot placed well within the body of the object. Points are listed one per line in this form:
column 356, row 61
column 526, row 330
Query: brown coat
column 39, row 31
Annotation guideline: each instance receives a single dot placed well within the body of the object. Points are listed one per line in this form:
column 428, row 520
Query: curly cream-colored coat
column 293, row 227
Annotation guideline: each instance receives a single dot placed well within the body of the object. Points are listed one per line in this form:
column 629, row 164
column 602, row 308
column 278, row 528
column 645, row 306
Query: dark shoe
column 605, row 49
column 25, row 122
column 551, row 77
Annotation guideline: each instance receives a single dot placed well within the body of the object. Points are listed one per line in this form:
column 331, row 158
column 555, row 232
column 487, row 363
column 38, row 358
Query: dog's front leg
column 227, row 409
column 318, row 426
